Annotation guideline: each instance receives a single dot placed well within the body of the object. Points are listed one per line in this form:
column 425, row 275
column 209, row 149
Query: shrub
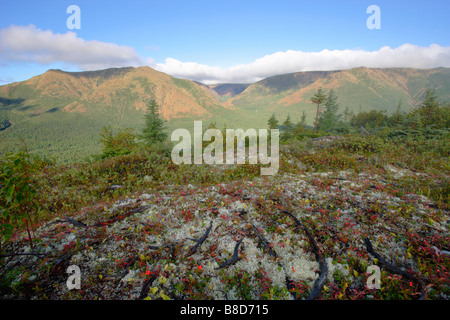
column 117, row 144
column 359, row 144
column 17, row 194
column 370, row 119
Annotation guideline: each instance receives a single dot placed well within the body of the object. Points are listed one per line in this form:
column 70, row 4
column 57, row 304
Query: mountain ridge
column 284, row 89
column 60, row 112
column 375, row 87
column 76, row 91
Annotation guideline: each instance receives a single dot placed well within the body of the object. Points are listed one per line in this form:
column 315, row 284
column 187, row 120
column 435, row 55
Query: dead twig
column 36, row 254
column 147, row 284
column 76, row 223
column 120, row 217
column 323, row 268
column 201, row 240
column 234, row 259
column 264, row 242
column 115, row 218
column 396, row 270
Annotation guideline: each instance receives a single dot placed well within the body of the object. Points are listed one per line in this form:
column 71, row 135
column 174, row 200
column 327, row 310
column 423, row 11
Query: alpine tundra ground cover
column 139, row 227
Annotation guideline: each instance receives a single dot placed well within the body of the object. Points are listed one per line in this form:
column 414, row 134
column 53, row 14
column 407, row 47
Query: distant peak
column 94, row 71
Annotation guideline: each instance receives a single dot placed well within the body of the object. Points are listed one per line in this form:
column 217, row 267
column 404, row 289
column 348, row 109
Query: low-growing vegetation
column 140, row 227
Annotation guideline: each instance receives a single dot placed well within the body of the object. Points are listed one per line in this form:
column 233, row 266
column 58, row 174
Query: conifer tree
column 273, row 122
column 318, row 99
column 153, row 131
column 288, row 123
column 288, row 127
column 428, row 107
column 329, row 118
column 303, row 119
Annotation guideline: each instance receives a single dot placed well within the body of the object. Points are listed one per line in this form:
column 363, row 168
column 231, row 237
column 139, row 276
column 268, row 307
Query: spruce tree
column 288, row 123
column 153, row 131
column 288, row 127
column 329, row 118
column 273, row 122
column 303, row 119
column 429, row 107
column 318, row 99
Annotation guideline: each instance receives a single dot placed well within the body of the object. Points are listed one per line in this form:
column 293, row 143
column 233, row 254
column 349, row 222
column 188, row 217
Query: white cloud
column 30, row 44
column 407, row 55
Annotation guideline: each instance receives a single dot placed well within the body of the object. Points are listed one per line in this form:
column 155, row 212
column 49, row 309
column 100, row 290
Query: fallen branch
column 311, row 239
column 264, row 242
column 120, row 217
column 274, row 255
column 201, row 240
column 147, row 284
column 117, row 217
column 396, row 270
column 323, row 268
column 61, row 264
column 145, row 287
column 22, row 254
column 76, row 223
column 234, row 259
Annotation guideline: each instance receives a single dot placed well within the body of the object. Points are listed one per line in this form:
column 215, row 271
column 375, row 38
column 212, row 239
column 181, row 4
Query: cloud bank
column 407, row 55
column 30, row 44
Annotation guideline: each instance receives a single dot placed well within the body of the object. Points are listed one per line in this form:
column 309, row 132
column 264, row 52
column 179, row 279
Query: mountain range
column 356, row 88
column 61, row 113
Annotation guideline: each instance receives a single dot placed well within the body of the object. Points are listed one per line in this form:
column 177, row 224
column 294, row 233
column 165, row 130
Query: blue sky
column 220, row 41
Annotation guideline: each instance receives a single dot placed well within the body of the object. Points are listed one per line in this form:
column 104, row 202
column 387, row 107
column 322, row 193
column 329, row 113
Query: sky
column 215, row 41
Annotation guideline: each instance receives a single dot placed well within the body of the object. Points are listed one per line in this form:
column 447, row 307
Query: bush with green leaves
column 18, row 193
column 369, row 120
column 123, row 142
column 363, row 144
